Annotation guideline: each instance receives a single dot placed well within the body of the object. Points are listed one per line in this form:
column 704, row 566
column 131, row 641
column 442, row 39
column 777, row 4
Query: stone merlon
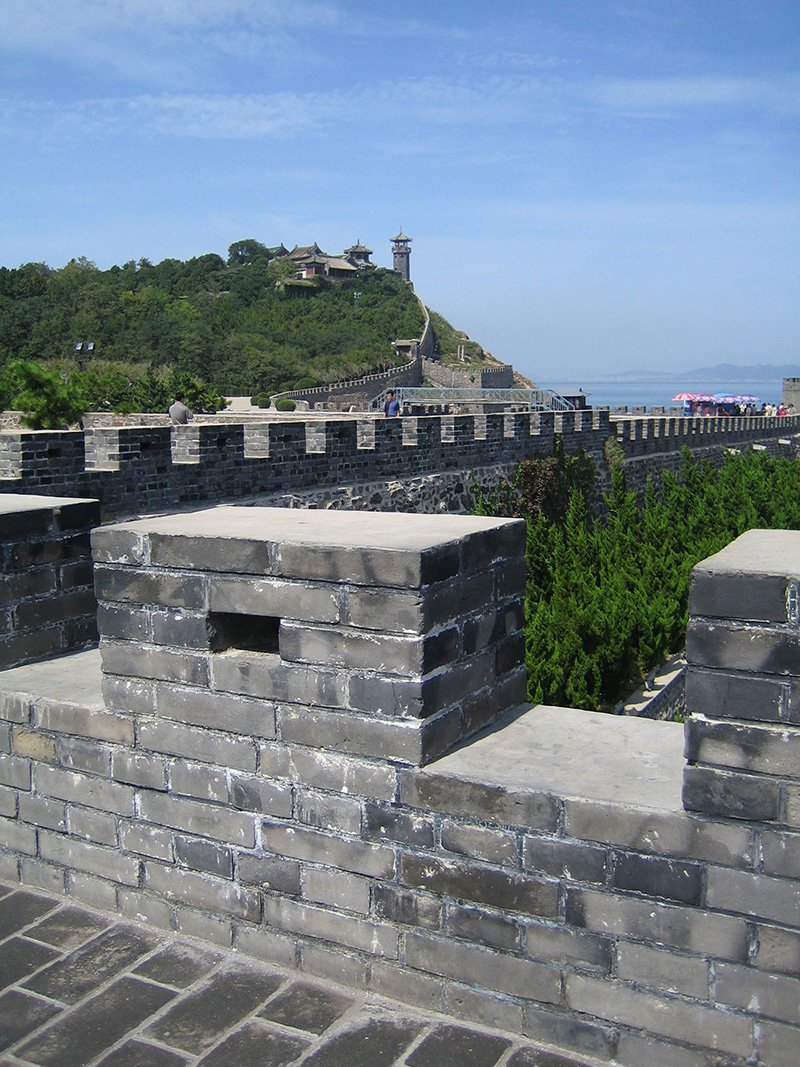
column 304, row 737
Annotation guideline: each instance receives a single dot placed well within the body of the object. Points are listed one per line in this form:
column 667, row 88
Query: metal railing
column 525, row 399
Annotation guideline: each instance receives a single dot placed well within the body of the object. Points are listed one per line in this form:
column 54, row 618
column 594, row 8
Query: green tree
column 46, row 400
column 241, row 252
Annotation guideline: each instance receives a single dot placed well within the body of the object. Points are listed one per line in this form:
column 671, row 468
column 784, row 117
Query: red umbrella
column 684, row 396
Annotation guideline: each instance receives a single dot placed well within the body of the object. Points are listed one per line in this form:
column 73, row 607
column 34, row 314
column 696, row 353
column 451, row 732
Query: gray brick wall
column 143, row 469
column 47, row 602
column 371, row 648
column 743, row 681
column 637, row 932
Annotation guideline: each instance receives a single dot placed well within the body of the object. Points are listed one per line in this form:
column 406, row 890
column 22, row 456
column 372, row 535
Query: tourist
column 392, row 407
column 178, row 412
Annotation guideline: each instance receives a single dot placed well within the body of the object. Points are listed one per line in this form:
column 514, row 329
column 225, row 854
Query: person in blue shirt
column 392, row 406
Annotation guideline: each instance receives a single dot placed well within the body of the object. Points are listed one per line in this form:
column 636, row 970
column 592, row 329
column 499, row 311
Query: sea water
column 644, row 392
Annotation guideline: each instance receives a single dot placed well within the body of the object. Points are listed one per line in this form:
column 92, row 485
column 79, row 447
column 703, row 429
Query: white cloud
column 779, row 94
column 48, row 24
column 413, row 105
column 165, row 41
column 414, row 112
column 237, row 117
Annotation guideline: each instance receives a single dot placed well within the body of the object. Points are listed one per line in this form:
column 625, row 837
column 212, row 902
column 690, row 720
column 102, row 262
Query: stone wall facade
column 544, row 877
column 358, row 393
column 142, row 469
column 47, row 602
column 791, row 393
column 397, row 647
column 493, row 376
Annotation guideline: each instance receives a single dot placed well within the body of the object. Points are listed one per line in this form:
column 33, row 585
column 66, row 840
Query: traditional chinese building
column 401, row 255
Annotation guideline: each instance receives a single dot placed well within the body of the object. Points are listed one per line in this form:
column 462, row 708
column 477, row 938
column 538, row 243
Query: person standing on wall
column 392, row 407
column 178, row 412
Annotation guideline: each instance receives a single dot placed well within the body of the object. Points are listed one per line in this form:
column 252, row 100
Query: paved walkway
column 82, row 989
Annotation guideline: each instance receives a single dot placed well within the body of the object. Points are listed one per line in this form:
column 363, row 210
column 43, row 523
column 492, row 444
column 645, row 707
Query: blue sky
column 590, row 185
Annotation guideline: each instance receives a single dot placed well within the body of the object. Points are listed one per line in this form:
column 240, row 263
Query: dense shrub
column 54, row 397
column 606, row 600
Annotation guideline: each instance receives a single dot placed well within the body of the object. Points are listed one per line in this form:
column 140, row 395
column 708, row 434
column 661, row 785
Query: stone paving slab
column 81, row 989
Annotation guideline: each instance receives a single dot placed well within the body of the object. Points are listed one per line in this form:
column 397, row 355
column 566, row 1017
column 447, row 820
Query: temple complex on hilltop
column 312, row 262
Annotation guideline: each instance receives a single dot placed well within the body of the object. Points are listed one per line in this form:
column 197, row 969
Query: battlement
column 396, row 646
column 273, row 750
column 135, row 469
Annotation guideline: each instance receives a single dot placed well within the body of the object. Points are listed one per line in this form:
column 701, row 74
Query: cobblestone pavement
column 83, row 989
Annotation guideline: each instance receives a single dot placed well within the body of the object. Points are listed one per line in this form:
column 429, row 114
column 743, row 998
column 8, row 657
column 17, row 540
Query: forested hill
column 243, row 327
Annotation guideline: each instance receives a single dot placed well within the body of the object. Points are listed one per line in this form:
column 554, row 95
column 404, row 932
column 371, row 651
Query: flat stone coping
column 589, row 755
column 327, row 529
column 757, row 552
column 569, row 753
column 13, row 503
column 74, row 678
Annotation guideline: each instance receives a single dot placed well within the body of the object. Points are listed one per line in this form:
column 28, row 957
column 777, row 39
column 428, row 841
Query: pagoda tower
column 358, row 254
column 401, row 255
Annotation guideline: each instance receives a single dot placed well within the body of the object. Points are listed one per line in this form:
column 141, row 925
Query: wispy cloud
column 519, row 100
column 278, row 115
column 235, row 117
column 47, row 24
column 779, row 95
column 160, row 41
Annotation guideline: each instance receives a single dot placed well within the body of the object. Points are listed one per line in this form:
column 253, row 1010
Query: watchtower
column 401, row 255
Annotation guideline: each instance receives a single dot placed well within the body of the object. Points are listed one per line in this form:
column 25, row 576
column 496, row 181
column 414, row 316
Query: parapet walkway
column 81, row 989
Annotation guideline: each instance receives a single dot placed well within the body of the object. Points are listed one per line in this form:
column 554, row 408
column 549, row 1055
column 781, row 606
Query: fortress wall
column 544, row 878
column 492, row 376
column 47, row 602
column 427, row 343
column 791, row 392
column 136, row 469
column 340, row 396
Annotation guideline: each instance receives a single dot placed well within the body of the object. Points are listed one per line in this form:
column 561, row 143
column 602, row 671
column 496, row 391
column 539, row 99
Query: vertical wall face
column 743, row 681
column 271, row 680
column 397, row 644
column 47, row 602
column 791, row 392
column 141, row 469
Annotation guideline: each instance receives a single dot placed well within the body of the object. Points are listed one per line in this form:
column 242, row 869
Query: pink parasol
column 684, row 396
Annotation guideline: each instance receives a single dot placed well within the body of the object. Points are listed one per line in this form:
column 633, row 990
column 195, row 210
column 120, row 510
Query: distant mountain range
column 732, row 372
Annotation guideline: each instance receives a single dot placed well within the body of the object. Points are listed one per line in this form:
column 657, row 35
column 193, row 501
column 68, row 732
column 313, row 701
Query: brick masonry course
column 409, row 464
column 544, row 878
column 47, row 602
